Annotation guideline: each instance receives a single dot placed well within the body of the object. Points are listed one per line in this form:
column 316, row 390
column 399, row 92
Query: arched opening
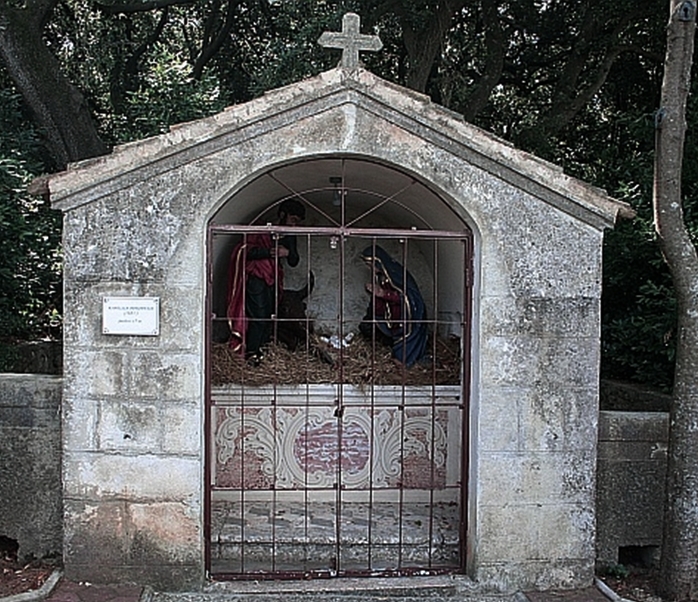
column 340, row 446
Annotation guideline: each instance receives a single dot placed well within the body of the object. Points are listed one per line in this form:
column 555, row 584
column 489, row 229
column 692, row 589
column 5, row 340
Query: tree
column 58, row 107
column 425, row 27
column 30, row 274
column 679, row 563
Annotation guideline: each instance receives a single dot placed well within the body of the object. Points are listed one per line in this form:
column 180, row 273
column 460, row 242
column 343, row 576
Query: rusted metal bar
column 208, row 405
column 402, row 411
column 466, row 329
column 433, row 408
column 343, row 231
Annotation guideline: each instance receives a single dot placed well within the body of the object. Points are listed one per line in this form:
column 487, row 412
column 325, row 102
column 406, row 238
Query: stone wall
column 30, row 463
column 630, row 484
column 626, row 397
column 630, row 474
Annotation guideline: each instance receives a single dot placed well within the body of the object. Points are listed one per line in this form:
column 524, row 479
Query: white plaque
column 138, row 316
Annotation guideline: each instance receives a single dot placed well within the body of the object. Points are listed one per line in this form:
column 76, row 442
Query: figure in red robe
column 255, row 282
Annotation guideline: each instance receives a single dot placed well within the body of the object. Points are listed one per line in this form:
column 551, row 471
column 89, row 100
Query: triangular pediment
column 355, row 91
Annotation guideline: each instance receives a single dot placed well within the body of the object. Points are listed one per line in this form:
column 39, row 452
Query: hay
column 361, row 363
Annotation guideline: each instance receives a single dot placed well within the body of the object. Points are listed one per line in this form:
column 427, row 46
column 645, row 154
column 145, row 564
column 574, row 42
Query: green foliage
column 638, row 303
column 136, row 70
column 617, row 571
column 167, row 94
column 640, row 346
column 30, row 271
column 290, row 52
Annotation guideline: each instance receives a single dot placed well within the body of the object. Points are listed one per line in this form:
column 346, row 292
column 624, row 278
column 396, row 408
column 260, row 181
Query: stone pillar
column 133, row 405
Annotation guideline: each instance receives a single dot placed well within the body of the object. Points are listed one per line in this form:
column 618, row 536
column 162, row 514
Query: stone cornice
column 89, row 180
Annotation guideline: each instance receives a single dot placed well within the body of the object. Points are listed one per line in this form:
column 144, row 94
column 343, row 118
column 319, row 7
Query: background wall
column 630, row 486
column 31, row 503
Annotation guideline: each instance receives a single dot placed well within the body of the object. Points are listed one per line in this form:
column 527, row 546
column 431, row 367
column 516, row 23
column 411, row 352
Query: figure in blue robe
column 396, row 312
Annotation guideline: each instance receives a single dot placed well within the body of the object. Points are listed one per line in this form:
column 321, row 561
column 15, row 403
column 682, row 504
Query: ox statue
column 293, row 327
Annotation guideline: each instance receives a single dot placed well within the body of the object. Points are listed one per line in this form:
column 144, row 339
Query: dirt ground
column 638, row 585
column 16, row 578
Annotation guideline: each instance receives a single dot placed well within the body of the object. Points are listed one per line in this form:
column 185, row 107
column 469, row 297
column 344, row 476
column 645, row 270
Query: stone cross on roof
column 350, row 40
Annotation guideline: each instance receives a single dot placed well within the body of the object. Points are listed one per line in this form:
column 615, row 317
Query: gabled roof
column 91, row 179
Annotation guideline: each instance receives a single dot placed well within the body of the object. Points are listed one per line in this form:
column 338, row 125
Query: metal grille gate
column 316, row 470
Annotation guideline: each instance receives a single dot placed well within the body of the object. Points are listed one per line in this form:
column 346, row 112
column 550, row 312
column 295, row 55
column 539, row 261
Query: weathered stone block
column 156, row 376
column 537, row 575
column 631, row 481
column 521, row 360
column 95, row 374
column 499, row 419
column 118, row 246
column 543, row 316
column 634, row 426
column 181, row 425
column 558, row 419
column 631, row 451
column 171, row 530
column 129, row 426
column 544, row 418
column 515, row 533
column 181, row 314
column 537, row 478
column 153, row 544
column 80, row 418
column 33, row 392
column 132, row 477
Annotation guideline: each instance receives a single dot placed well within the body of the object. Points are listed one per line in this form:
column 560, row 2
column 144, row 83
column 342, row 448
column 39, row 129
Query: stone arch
column 432, row 206
column 354, row 198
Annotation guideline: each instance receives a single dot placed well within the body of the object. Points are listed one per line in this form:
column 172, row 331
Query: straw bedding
column 360, row 363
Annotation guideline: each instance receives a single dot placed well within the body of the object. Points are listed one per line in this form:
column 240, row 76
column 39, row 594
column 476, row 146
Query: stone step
column 403, row 589
column 319, row 523
column 320, row 597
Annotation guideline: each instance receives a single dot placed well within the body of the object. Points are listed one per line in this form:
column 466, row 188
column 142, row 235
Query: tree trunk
column 581, row 77
column 679, row 563
column 423, row 45
column 59, row 109
column 495, row 53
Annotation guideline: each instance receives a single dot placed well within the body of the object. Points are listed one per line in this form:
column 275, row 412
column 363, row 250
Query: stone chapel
column 330, row 457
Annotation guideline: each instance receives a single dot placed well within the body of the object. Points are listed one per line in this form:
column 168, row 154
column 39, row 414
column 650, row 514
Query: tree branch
column 423, row 44
column 123, row 80
column 494, row 60
column 58, row 107
column 570, row 96
column 140, row 7
column 209, row 50
column 41, row 11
